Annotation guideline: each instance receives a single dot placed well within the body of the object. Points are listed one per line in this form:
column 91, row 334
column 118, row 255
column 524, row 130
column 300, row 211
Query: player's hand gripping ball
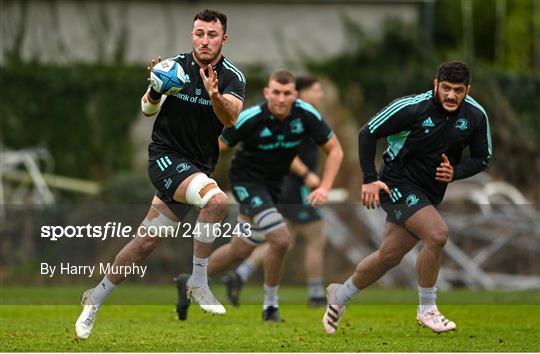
column 167, row 77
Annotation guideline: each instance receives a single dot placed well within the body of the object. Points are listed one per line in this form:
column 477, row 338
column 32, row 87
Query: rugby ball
column 167, row 77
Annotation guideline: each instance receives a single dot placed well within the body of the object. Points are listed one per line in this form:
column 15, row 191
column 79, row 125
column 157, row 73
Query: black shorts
column 294, row 205
column 254, row 198
column 166, row 174
column 402, row 203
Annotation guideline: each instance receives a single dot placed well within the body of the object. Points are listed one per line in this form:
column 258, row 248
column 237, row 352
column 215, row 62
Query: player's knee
column 204, row 191
column 280, row 244
column 292, row 243
column 438, row 236
column 217, row 205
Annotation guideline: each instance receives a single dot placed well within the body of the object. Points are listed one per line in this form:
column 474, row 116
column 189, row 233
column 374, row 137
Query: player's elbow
column 337, row 154
column 487, row 160
column 364, row 133
column 336, row 151
column 482, row 163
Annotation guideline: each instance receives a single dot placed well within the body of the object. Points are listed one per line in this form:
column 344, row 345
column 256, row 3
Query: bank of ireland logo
column 297, row 127
column 198, row 91
column 411, row 200
column 182, row 167
column 462, row 124
column 256, row 201
column 397, row 214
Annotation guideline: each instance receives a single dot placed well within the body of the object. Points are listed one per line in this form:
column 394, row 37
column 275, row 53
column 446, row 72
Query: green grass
column 379, row 320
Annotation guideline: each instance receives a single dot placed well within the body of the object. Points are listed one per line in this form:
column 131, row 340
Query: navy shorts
column 254, row 198
column 402, row 203
column 294, row 205
column 166, row 174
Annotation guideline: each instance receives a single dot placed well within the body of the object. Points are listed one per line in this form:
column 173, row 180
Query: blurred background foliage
column 84, row 112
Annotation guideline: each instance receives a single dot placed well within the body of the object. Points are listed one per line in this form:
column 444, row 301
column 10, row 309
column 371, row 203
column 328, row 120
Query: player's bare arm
column 227, row 107
column 334, row 153
column 149, row 105
column 372, row 185
column 223, row 146
column 310, row 178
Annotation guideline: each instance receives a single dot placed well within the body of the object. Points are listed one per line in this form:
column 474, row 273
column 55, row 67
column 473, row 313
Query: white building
column 270, row 33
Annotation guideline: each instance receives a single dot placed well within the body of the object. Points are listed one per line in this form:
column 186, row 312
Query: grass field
column 42, row 319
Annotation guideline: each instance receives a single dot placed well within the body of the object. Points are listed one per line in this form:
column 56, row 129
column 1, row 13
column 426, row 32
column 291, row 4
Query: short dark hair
column 207, row 15
column 305, row 82
column 455, row 72
column 282, row 76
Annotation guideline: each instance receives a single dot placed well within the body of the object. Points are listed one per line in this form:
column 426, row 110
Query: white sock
column 427, row 299
column 345, row 292
column 315, row 287
column 244, row 270
column 101, row 291
column 270, row 296
column 199, row 275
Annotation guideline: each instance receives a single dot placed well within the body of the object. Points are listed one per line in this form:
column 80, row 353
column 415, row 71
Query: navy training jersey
column 268, row 145
column 419, row 131
column 186, row 124
column 309, row 153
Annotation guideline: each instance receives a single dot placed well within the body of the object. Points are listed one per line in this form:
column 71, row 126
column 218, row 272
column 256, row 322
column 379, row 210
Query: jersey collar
column 214, row 67
column 271, row 117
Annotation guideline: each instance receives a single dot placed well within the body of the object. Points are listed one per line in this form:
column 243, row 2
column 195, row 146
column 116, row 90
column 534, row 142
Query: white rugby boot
column 435, row 321
column 86, row 320
column 202, row 296
column 333, row 311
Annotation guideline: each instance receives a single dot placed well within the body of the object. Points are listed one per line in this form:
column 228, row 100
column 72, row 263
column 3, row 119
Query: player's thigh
column 279, row 238
column 159, row 206
column 159, row 222
column 312, row 233
column 428, row 225
column 397, row 242
column 241, row 248
column 291, row 226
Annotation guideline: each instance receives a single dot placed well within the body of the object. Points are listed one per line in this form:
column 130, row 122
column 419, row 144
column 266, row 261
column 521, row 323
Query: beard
column 441, row 102
column 207, row 57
